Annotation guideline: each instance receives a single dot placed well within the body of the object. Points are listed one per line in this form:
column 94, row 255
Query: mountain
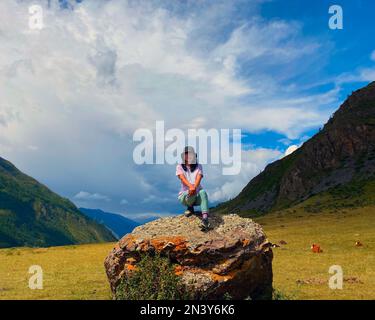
column 118, row 224
column 33, row 215
column 338, row 164
column 146, row 219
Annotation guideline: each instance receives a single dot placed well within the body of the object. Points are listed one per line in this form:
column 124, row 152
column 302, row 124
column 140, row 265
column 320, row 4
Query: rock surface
column 233, row 258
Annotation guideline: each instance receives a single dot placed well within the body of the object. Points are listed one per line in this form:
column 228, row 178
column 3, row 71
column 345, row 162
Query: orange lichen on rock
column 130, row 267
column 246, row 265
column 220, row 278
column 177, row 243
column 245, row 242
column 215, row 277
column 179, row 270
column 127, row 242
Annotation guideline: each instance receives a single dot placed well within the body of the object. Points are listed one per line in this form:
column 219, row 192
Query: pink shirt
column 190, row 176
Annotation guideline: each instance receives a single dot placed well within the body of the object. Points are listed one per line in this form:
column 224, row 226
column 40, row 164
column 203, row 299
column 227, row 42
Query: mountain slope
column 341, row 154
column 118, row 224
column 33, row 215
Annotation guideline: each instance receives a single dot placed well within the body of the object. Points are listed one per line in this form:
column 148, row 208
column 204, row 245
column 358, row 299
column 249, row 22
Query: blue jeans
column 198, row 199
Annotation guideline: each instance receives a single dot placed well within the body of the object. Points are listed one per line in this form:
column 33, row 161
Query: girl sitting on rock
column 190, row 173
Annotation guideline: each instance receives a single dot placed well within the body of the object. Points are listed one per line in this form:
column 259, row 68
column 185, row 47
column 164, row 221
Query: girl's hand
column 192, row 190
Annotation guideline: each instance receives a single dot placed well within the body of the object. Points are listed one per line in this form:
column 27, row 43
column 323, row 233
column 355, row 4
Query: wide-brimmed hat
column 188, row 149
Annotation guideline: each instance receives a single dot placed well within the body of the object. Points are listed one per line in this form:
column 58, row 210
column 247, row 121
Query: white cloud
column 221, row 188
column 361, row 74
column 290, row 149
column 155, row 199
column 80, row 87
column 32, row 147
column 83, row 195
column 124, row 201
column 285, row 141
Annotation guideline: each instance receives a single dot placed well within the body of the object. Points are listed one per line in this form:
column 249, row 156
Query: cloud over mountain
column 77, row 90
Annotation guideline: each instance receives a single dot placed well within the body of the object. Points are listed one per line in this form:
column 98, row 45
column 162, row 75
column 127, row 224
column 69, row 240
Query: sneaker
column 205, row 224
column 189, row 211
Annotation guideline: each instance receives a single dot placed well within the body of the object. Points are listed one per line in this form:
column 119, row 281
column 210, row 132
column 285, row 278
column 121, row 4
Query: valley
column 77, row 271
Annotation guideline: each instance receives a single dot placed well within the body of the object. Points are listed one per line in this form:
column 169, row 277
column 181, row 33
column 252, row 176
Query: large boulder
column 234, row 258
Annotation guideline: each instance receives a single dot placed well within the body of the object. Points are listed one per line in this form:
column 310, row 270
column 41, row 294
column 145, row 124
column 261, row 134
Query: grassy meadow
column 77, row 272
column 69, row 272
column 301, row 274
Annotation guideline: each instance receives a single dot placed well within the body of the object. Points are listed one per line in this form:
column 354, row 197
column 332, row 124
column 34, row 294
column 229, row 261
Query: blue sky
column 74, row 92
column 350, row 49
column 351, row 46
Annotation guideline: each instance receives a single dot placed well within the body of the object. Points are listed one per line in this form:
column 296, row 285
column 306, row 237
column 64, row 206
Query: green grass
column 77, row 272
column 301, row 274
column 70, row 272
column 153, row 279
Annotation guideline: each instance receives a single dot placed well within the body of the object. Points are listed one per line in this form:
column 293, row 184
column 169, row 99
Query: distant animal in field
column 316, row 248
column 358, row 244
column 282, row 242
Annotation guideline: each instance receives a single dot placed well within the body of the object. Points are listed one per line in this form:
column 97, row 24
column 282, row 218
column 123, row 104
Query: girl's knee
column 183, row 198
column 203, row 193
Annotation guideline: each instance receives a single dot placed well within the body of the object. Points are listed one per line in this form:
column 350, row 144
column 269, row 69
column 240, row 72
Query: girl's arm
column 192, row 188
column 184, row 181
column 198, row 180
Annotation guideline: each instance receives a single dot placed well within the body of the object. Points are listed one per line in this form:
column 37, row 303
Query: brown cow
column 358, row 244
column 316, row 248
